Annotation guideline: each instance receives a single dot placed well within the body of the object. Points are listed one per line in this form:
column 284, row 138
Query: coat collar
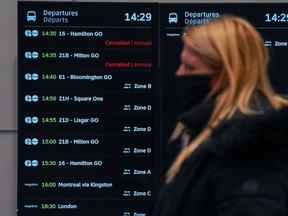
column 244, row 136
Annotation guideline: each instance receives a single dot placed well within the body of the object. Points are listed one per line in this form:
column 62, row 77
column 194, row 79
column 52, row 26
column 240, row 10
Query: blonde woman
column 234, row 157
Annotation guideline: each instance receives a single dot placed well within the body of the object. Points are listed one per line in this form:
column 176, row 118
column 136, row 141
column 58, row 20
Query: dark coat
column 241, row 170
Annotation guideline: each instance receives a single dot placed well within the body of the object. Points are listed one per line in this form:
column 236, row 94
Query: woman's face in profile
column 191, row 64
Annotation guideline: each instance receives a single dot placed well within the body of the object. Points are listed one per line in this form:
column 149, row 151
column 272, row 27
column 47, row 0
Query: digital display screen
column 89, row 134
column 182, row 93
column 98, row 98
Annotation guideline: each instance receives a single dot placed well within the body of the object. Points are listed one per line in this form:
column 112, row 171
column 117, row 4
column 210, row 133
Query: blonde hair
column 235, row 50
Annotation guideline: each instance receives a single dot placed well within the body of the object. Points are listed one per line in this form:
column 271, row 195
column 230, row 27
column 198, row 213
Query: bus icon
column 31, row 16
column 173, row 17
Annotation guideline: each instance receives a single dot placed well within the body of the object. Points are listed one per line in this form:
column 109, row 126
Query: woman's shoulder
column 246, row 135
column 243, row 144
column 244, row 163
column 246, row 139
column 251, row 170
column 251, row 136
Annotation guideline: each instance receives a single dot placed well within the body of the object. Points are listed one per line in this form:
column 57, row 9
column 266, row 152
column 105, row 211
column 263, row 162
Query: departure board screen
column 182, row 93
column 88, row 108
column 98, row 98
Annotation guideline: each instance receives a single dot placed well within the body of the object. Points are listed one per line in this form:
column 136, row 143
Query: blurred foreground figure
column 233, row 154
